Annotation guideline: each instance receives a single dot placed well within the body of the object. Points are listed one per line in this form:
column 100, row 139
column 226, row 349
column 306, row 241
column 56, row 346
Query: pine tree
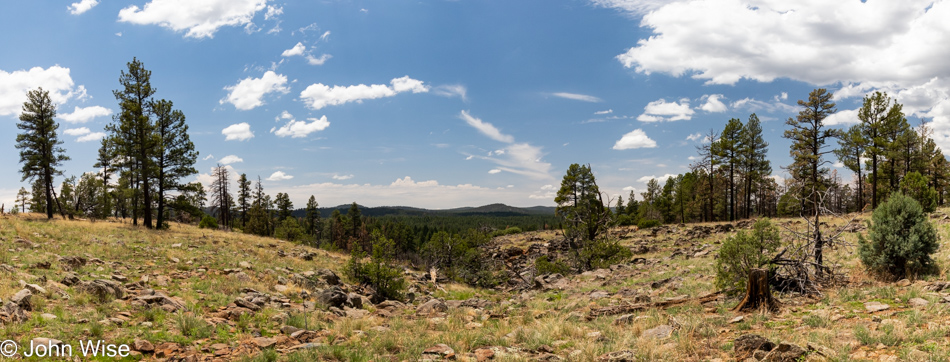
column 706, row 166
column 38, row 200
column 175, row 155
column 22, row 198
column 754, row 164
column 38, row 143
column 356, row 221
column 727, row 150
column 809, row 137
column 220, row 196
column 313, row 217
column 284, row 206
column 851, row 148
column 244, row 197
column 878, row 115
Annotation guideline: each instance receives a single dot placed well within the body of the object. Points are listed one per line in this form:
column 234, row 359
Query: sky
column 443, row 104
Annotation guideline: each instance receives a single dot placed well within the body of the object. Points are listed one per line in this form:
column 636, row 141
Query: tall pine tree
column 40, row 151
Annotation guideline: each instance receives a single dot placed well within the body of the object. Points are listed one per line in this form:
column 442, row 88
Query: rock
column 439, row 351
column 918, row 302
column 618, row 356
column 484, row 354
column 72, row 262
column 142, row 345
column 432, row 306
column 157, row 299
column 353, row 313
column 23, row 299
column 281, row 288
column 104, row 290
column 663, row 331
column 289, row 330
column 624, row 319
column 47, row 316
column 473, row 325
column 311, row 345
column 332, row 297
column 14, row 312
column 329, row 277
column 243, row 303
column 736, row 320
column 786, row 353
column 875, row 306
column 598, row 295
column 903, row 283
column 749, row 343
column 244, row 265
column 354, row 300
column 36, row 289
column 70, row 279
column 242, row 276
column 264, row 342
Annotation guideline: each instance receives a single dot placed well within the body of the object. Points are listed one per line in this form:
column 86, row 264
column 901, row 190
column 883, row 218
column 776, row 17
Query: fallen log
column 639, row 307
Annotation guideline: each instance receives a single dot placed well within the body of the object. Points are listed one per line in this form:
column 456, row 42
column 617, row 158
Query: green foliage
column 915, row 185
column 743, row 252
column 602, row 253
column 546, row 266
column 385, row 279
column 40, row 151
column 289, row 230
column 193, row 326
column 901, row 240
column 508, row 231
column 208, row 222
column 646, row 224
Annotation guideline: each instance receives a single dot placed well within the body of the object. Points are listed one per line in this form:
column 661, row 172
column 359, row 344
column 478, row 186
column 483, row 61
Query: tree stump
column 758, row 295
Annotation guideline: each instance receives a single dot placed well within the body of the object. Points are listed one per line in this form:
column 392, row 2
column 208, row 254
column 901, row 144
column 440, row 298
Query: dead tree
column 758, row 295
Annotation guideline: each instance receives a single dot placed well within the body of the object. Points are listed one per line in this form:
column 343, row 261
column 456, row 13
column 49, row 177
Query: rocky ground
column 188, row 294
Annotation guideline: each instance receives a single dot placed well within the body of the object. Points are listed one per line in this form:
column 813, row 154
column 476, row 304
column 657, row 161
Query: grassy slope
column 529, row 324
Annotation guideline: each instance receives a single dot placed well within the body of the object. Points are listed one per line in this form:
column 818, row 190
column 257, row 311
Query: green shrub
column 507, row 231
column 602, row 253
column 915, row 185
column 743, row 252
column 208, row 222
column 546, row 266
column 386, row 280
column 646, row 224
column 901, row 240
column 289, row 230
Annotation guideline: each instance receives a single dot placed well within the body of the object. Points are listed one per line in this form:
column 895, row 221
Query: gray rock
column 354, row 300
column 918, row 302
column 103, row 289
column 624, row 319
column 785, row 353
column 618, row 356
column 876, row 306
column 660, row 332
column 332, row 297
column 432, row 306
column 748, row 343
column 23, row 299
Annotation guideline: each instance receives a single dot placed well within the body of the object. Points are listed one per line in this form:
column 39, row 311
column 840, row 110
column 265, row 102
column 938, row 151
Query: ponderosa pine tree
column 878, row 115
column 284, row 206
column 726, row 148
column 40, row 151
column 706, row 166
column 809, row 137
column 220, row 196
column 753, row 163
column 313, row 217
column 851, row 147
column 175, row 155
column 22, row 198
column 244, row 197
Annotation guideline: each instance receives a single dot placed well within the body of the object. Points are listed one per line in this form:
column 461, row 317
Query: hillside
column 189, row 294
column 488, row 210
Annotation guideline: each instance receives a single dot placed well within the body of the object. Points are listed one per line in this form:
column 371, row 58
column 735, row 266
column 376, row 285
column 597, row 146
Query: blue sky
column 444, row 104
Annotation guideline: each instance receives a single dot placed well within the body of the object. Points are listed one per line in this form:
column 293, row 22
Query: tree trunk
column 758, row 295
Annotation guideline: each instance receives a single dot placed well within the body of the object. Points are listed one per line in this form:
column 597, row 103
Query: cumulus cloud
column 273, row 12
column 229, row 159
column 694, row 137
column 279, row 176
column 56, row 80
column 486, row 128
column 76, row 131
column 660, row 179
column 84, row 134
column 296, row 50
column 342, row 177
column 249, row 92
column 300, row 129
column 863, row 45
column 83, row 115
column 663, row 111
column 198, row 19
column 713, row 104
column 578, row 97
column 609, row 111
column 843, row 117
column 318, row 60
column 318, row 96
column 634, row 139
column 238, row 132
column 450, row 91
column 82, row 6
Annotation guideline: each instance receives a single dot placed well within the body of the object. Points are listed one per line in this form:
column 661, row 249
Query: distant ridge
column 491, row 209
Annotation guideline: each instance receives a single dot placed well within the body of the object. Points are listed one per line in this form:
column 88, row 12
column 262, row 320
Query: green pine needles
column 901, row 240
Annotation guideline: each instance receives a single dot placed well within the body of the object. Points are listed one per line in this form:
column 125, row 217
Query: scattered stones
column 785, row 353
column 618, row 356
column 47, row 316
column 157, row 299
column 484, row 354
column 264, row 342
column 72, row 263
column 432, row 306
column 872, row 307
column 662, row 331
column 749, row 343
column 332, row 297
column 903, row 283
column 439, row 351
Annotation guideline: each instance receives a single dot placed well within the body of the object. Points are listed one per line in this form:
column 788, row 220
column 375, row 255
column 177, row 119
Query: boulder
column 332, row 297
column 662, row 331
column 432, row 306
column 786, row 353
column 103, row 289
column 23, row 299
column 143, row 346
column 749, row 343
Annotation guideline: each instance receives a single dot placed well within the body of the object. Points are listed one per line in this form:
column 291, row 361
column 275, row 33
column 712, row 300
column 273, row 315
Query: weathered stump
column 758, row 295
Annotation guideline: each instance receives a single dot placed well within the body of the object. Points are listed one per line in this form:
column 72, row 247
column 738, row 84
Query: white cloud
column 296, row 50
column 249, row 92
column 486, row 128
column 634, row 139
column 546, row 192
column 660, row 179
column 578, row 97
column 661, row 111
column 273, row 12
column 453, row 90
column 318, row 61
column 199, row 19
column 325, row 36
column 238, row 132
column 279, row 176
column 299, row 129
column 76, row 131
column 494, row 171
column 713, row 103
column 753, row 105
column 229, row 159
column 284, row 115
column 83, row 115
column 407, row 191
column 82, row 6
column 843, row 117
column 863, row 45
column 342, row 177
column 694, row 137
column 609, row 111
column 208, row 157
column 838, row 164
column 56, row 80
column 318, row 96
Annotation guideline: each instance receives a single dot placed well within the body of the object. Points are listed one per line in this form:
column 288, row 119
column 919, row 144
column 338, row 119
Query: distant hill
column 487, row 210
